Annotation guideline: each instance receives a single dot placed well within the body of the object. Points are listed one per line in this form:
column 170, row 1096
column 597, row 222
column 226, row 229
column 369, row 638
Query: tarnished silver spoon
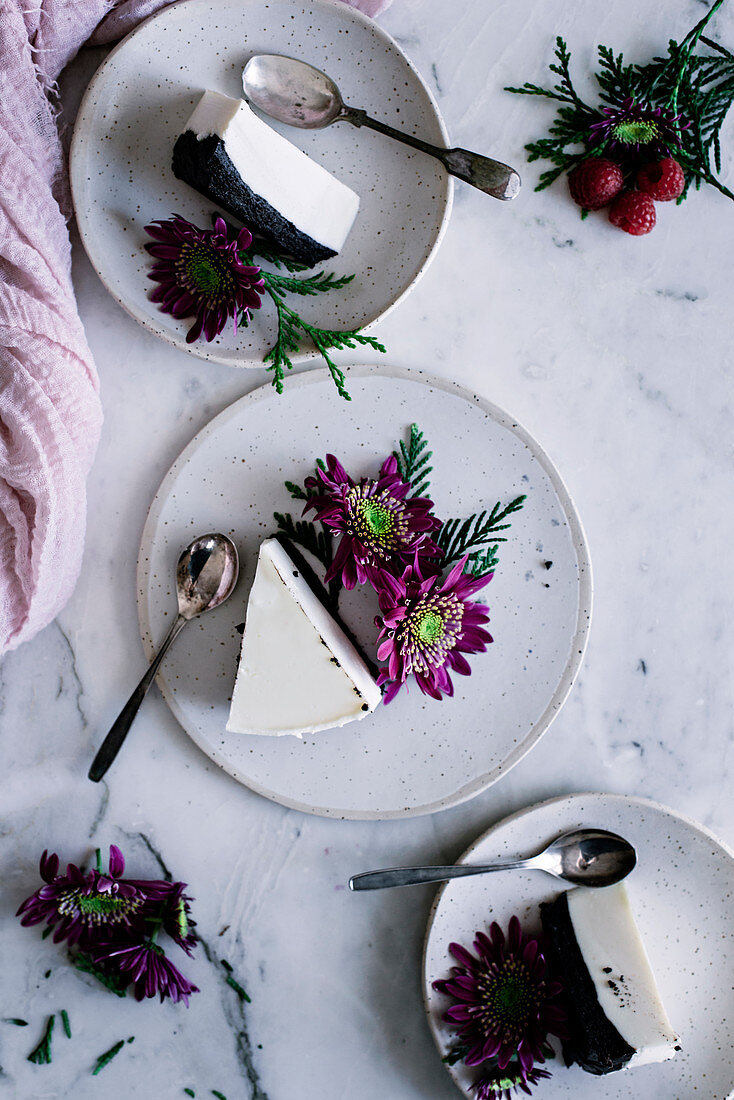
column 586, row 857
column 300, row 95
column 205, row 576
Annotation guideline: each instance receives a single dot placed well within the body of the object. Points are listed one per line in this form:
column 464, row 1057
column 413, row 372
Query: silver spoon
column 205, row 576
column 587, row 857
column 300, row 95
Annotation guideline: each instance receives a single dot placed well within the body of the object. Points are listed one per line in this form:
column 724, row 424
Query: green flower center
column 97, row 908
column 100, row 903
column 431, row 627
column 205, row 272
column 636, row 132
column 429, row 631
column 510, row 996
column 378, row 520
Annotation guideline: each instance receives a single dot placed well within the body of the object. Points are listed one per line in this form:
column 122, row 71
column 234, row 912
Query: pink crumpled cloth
column 50, row 412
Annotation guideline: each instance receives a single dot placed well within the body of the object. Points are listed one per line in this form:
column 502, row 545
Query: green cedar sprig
column 292, row 328
column 305, row 533
column 413, row 461
column 697, row 84
column 476, row 536
column 106, row 1058
column 41, row 1054
column 116, row 983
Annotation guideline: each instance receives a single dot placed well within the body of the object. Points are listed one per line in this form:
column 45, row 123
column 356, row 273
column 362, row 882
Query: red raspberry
column 633, row 211
column 594, row 182
column 662, row 181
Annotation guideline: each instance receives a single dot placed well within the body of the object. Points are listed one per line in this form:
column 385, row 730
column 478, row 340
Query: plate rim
column 583, row 618
column 572, row 796
column 81, row 135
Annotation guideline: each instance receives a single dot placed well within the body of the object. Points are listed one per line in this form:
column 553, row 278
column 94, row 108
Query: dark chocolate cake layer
column 594, row 1042
column 205, row 166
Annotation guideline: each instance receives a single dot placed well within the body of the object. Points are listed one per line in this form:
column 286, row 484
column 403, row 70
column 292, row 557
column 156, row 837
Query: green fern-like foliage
column 413, row 460
column 116, row 983
column 292, row 328
column 305, row 533
column 478, row 537
column 296, row 491
column 484, row 561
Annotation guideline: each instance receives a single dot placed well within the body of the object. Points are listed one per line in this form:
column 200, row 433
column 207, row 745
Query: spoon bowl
column 206, row 574
column 590, row 857
column 585, row 857
column 292, row 91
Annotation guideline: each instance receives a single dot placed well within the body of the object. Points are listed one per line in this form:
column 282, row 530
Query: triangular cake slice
column 298, row 671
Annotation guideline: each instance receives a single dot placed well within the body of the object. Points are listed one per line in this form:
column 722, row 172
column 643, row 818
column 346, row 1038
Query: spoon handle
column 112, row 743
column 491, row 176
column 414, row 876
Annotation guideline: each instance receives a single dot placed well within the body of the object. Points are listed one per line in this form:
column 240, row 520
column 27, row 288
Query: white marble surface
column 617, row 354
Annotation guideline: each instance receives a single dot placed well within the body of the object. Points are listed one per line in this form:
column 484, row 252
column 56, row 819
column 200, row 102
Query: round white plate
column 415, row 755
column 681, row 893
column 141, row 97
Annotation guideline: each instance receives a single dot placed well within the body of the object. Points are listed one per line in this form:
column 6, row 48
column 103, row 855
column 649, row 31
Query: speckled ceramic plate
column 138, row 103
column 681, row 893
column 416, row 755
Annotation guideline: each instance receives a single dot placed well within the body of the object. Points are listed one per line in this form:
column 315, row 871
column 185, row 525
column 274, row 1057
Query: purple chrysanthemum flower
column 380, row 525
column 148, row 967
column 78, row 905
column 631, row 127
column 427, row 626
column 505, row 1006
column 200, row 274
column 498, row 1084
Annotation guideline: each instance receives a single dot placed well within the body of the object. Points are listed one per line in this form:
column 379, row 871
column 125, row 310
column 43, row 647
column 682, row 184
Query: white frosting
column 298, row 671
column 617, row 962
column 301, row 190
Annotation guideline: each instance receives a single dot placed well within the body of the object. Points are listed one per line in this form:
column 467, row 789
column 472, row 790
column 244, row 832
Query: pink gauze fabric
column 50, row 412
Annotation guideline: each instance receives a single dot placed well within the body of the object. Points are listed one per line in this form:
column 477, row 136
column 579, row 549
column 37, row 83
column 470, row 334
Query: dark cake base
column 205, row 166
column 594, row 1042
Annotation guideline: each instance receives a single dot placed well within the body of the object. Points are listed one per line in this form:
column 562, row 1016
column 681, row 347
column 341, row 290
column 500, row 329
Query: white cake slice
column 617, row 1017
column 298, row 670
column 229, row 154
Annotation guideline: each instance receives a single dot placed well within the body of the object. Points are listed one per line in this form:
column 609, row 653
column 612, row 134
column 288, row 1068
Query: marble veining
column 616, row 354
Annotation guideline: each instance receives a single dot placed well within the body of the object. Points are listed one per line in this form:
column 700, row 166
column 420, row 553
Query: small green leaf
column 106, row 1058
column 41, row 1054
column 413, row 461
column 457, row 537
